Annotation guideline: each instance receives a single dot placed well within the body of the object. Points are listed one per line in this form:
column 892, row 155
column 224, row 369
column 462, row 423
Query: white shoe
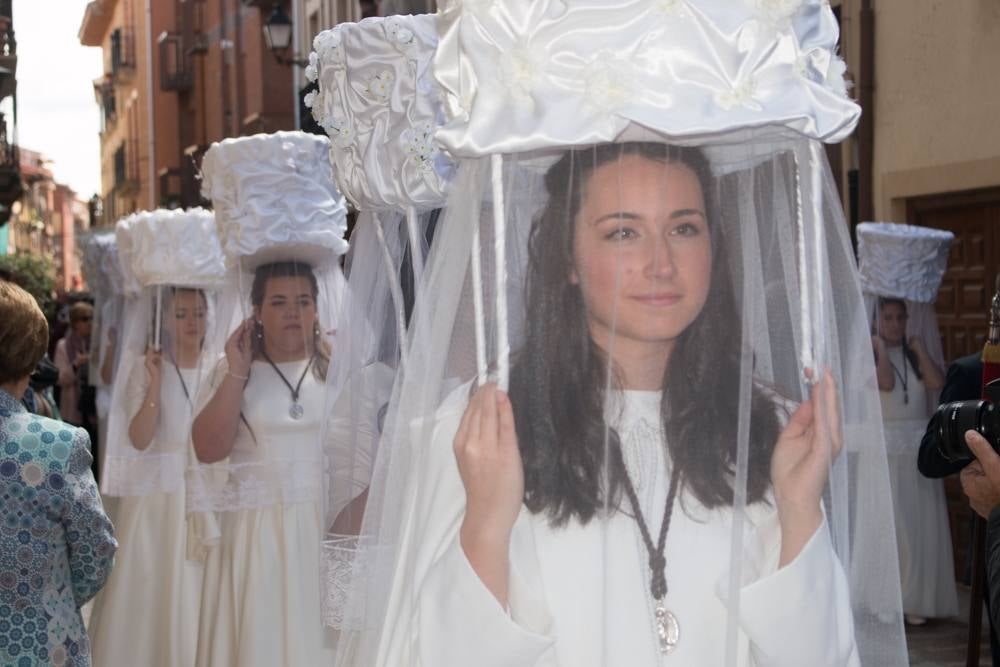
column 912, row 619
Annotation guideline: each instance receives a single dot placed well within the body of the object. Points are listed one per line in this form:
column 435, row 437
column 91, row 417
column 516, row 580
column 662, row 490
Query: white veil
column 169, row 251
column 377, row 101
column 741, row 94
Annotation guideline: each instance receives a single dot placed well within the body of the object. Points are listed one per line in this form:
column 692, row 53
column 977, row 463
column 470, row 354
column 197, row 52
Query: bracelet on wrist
column 238, row 377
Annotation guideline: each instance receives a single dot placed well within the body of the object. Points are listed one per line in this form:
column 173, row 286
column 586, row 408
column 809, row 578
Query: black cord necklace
column 183, row 384
column 665, row 623
column 903, row 378
column 295, row 411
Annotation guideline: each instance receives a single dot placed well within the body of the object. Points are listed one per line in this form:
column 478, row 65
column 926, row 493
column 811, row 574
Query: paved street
column 941, row 643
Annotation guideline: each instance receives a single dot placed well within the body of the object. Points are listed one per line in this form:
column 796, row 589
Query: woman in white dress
column 263, row 411
column 147, row 613
column 909, row 382
column 635, row 278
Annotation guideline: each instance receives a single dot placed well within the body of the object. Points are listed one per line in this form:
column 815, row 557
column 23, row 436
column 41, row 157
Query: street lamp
column 278, row 36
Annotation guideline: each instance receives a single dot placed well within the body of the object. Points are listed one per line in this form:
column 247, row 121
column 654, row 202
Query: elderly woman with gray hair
column 56, row 542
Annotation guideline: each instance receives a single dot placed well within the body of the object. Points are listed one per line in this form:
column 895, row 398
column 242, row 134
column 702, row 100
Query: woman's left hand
column 801, row 463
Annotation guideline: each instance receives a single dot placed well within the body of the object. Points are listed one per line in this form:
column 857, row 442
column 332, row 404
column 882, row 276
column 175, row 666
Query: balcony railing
column 11, row 187
column 122, row 55
column 126, row 168
column 176, row 72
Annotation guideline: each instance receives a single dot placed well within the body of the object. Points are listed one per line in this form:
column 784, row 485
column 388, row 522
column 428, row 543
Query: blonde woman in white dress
column 147, row 613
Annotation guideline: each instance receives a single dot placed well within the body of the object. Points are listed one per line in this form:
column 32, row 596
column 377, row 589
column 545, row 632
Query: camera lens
column 957, row 418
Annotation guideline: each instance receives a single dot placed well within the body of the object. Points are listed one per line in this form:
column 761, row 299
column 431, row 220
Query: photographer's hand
column 981, row 478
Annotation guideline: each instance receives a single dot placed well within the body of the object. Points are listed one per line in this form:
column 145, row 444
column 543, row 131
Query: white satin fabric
column 520, row 76
column 173, row 247
column 274, row 199
column 902, row 261
column 379, row 104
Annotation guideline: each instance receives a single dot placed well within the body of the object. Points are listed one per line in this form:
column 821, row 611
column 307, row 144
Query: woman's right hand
column 878, row 345
column 154, row 366
column 489, row 463
column 239, row 348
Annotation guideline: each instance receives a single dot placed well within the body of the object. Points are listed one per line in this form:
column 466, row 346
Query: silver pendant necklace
column 665, row 625
column 295, row 410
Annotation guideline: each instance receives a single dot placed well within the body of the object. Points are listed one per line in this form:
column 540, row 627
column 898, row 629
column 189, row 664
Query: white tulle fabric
column 274, row 198
column 522, row 76
column 174, row 247
column 902, row 261
column 378, row 102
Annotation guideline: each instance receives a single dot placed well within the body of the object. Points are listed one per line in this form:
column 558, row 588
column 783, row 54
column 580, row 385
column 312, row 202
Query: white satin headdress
column 160, row 248
column 275, row 199
column 379, row 103
column 520, row 76
column 902, row 261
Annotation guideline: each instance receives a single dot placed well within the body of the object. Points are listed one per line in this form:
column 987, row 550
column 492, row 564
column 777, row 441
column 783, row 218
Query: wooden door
column 973, row 264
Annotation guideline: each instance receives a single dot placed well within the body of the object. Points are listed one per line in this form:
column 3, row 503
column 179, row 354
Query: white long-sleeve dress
column 926, row 567
column 579, row 595
column 147, row 612
column 261, row 601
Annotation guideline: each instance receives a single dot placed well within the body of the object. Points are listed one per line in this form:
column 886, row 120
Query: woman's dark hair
column 289, row 269
column 908, row 353
column 558, row 381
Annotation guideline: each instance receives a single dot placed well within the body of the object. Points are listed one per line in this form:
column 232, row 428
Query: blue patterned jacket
column 56, row 542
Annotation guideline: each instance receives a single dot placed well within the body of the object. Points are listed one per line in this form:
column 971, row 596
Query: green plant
column 36, row 275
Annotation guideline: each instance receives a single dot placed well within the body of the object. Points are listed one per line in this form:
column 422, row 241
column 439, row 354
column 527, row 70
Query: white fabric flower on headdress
column 399, row 35
column 522, row 68
column 419, row 145
column 609, row 82
column 312, row 71
column 380, row 85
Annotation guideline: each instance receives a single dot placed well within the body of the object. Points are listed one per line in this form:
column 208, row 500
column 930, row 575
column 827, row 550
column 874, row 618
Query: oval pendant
column 668, row 631
column 296, row 411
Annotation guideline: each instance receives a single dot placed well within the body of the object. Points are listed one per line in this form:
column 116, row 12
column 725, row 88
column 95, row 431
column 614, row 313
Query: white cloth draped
column 565, row 582
column 926, row 566
column 147, row 612
column 261, row 600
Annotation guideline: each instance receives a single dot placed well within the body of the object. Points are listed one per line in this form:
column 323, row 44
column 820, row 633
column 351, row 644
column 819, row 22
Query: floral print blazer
column 56, row 543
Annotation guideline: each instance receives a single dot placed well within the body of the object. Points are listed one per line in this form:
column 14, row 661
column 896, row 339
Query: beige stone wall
column 937, row 96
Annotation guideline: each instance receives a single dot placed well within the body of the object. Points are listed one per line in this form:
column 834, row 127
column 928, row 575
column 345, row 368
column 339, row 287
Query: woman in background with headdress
column 257, row 431
column 148, row 612
column 261, row 603
column 909, row 381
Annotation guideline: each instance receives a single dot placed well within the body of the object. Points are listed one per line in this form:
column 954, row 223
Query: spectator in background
column 72, row 355
column 57, row 547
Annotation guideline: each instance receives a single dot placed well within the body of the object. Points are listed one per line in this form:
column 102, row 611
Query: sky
column 57, row 114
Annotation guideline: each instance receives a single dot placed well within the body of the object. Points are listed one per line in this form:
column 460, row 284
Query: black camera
column 954, row 419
